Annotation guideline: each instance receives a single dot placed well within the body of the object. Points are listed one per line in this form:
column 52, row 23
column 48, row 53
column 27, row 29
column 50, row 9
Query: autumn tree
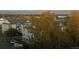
column 72, row 27
column 44, row 29
column 26, row 17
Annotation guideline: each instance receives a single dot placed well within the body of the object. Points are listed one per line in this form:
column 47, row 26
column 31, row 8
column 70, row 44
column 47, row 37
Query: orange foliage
column 27, row 17
column 73, row 22
column 47, row 19
column 72, row 26
column 43, row 25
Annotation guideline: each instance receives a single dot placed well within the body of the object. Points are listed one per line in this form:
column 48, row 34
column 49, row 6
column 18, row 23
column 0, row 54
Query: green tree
column 13, row 34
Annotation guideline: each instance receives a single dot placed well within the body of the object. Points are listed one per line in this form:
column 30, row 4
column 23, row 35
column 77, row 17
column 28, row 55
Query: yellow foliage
column 27, row 17
column 44, row 25
column 73, row 22
column 72, row 26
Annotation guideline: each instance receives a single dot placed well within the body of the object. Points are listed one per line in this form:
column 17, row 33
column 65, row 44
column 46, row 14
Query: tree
column 44, row 29
column 72, row 27
column 25, row 17
column 13, row 34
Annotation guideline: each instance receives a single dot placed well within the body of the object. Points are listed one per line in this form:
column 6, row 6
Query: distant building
column 4, row 24
column 13, row 26
column 28, row 23
column 60, row 20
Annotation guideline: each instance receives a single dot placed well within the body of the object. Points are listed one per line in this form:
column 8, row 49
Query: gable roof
column 15, row 20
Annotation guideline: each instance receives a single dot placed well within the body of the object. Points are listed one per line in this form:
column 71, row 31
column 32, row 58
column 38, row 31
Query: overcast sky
column 33, row 11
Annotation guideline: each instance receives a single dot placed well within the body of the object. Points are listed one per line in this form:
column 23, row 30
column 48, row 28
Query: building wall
column 5, row 27
column 13, row 26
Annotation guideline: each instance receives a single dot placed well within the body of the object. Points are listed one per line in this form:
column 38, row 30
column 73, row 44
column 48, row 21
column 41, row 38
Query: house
column 20, row 24
column 60, row 20
column 13, row 26
column 4, row 24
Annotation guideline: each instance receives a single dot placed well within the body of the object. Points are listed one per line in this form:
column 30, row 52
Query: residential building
column 4, row 24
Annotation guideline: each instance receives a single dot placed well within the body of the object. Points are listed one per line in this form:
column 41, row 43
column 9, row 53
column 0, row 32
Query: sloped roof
column 14, row 20
column 3, row 20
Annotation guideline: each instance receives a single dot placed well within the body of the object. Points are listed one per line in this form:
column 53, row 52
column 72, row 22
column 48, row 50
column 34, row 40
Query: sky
column 34, row 11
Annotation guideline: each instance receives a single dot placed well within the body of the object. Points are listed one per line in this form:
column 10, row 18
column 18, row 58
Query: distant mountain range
column 34, row 11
